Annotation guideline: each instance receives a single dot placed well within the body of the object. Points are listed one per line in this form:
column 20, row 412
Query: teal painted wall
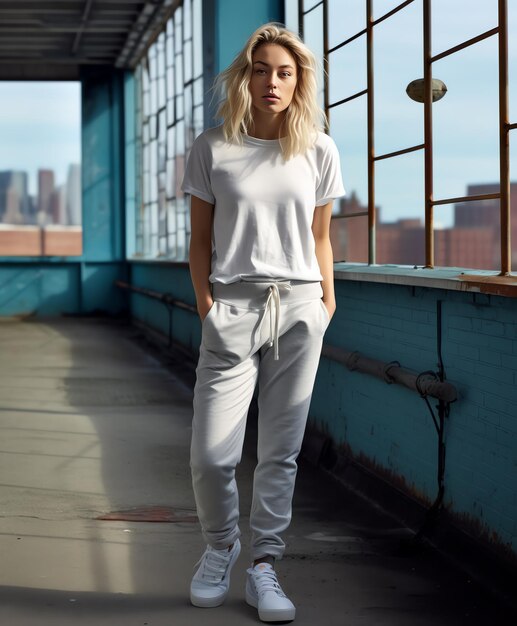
column 226, row 27
column 60, row 287
column 103, row 166
column 173, row 279
column 390, row 427
column 234, row 24
column 130, row 164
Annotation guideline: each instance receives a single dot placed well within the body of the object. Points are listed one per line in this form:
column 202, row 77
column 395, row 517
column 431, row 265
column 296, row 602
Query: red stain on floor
column 164, row 514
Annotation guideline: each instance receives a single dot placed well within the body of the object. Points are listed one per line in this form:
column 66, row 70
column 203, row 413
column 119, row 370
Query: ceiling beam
column 84, row 21
column 16, row 31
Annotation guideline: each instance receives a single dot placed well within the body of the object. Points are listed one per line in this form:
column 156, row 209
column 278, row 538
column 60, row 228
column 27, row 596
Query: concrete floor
column 91, row 423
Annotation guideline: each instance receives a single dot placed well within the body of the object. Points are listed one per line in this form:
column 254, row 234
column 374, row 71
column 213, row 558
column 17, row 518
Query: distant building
column 12, row 213
column 58, row 206
column 45, row 189
column 73, row 195
column 11, row 179
column 473, row 241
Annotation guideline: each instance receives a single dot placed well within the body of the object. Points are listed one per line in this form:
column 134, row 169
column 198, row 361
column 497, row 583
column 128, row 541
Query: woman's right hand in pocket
column 203, row 309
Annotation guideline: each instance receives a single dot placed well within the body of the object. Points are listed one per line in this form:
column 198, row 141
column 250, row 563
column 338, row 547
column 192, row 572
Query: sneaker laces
column 214, row 566
column 266, row 580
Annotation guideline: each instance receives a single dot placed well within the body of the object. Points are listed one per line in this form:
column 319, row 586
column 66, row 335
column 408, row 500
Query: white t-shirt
column 264, row 205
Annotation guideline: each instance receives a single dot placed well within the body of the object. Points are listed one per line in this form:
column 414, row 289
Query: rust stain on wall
column 493, row 285
column 472, row 526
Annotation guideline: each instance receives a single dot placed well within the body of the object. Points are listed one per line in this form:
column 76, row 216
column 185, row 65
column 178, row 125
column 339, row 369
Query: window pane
column 178, row 34
column 291, row 15
column 198, row 91
column 170, row 96
column 459, row 20
column 179, row 107
column 399, row 198
column 198, row 121
column 472, row 240
column 313, row 37
column 153, row 171
column 170, row 180
column 348, row 128
column 187, row 57
column 345, row 19
column 162, row 147
column 465, row 121
column 381, row 7
column 198, row 37
column 349, row 236
column 187, row 19
column 399, row 121
column 308, row 4
column 179, row 73
column 347, row 70
column 169, row 47
column 188, row 115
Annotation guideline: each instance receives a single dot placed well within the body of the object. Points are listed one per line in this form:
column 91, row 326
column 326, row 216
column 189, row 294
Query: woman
column 261, row 190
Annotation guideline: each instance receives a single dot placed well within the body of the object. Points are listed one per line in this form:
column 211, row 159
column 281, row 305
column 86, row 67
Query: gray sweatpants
column 270, row 332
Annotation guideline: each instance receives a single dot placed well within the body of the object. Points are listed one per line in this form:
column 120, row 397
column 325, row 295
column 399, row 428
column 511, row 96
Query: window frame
column 501, row 31
column 165, row 133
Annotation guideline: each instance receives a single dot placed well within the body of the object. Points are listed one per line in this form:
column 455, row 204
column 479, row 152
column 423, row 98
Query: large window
column 40, row 169
column 169, row 117
column 428, row 183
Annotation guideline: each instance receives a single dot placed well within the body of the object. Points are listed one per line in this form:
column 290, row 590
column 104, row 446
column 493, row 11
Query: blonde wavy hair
column 303, row 118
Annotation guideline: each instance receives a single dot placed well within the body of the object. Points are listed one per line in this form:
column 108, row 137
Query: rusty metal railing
column 501, row 30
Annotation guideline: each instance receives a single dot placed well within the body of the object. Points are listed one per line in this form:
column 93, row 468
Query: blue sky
column 40, row 122
column 466, row 140
column 40, row 126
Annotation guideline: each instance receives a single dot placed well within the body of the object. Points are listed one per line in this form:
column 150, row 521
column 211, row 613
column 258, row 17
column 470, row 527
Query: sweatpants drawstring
column 273, row 301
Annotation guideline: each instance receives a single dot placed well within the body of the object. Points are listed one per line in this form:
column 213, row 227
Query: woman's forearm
column 200, row 267
column 326, row 263
column 323, row 249
column 200, row 252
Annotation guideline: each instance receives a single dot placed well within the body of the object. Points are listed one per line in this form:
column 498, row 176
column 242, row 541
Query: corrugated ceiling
column 52, row 39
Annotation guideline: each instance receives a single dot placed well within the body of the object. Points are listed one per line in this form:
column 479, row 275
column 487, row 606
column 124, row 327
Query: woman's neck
column 266, row 126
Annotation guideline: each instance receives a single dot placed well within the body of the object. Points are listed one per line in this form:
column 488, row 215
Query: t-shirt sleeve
column 196, row 179
column 331, row 182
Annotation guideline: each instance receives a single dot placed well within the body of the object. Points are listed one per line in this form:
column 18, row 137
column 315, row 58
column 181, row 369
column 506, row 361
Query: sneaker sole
column 272, row 615
column 211, row 603
column 207, row 603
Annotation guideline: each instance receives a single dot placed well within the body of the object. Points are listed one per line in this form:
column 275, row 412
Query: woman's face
column 273, row 78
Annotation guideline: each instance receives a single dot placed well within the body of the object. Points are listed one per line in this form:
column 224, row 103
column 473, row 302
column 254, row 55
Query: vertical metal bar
column 428, row 138
column 371, row 144
column 504, row 147
column 300, row 18
column 326, row 61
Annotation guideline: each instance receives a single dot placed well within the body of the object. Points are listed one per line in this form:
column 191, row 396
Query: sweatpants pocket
column 325, row 312
column 228, row 330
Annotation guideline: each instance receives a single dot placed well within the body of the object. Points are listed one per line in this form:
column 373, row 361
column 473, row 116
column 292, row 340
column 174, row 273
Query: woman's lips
column 271, row 98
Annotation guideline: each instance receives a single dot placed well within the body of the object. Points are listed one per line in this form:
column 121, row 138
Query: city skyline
column 472, row 241
column 56, row 204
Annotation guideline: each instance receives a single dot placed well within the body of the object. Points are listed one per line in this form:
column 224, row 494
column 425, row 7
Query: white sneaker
column 211, row 582
column 264, row 593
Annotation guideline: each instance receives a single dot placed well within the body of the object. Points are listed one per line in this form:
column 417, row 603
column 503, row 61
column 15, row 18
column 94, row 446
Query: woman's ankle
column 265, row 559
